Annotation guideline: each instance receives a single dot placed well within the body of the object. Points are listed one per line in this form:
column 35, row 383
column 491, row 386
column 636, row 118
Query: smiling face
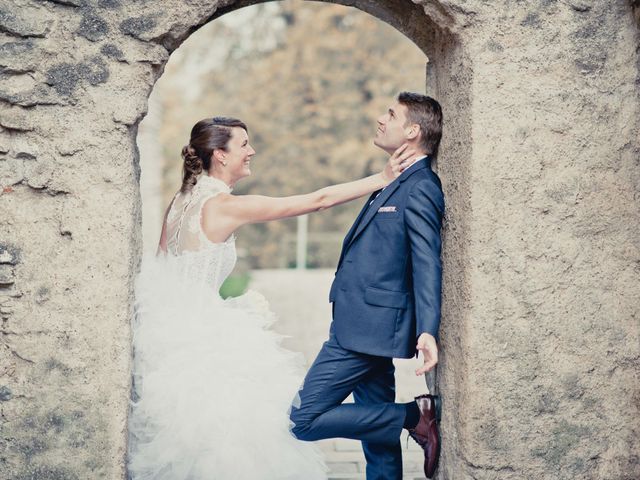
column 237, row 155
column 392, row 128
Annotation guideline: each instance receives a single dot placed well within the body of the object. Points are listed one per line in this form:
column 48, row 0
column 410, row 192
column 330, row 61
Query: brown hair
column 427, row 113
column 206, row 136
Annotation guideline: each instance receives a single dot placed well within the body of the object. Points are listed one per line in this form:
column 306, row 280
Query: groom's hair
column 427, row 113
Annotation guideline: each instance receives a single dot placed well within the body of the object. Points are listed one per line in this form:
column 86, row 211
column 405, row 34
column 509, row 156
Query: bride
column 212, row 387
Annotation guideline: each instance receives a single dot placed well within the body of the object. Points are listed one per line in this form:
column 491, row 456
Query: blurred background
column 309, row 79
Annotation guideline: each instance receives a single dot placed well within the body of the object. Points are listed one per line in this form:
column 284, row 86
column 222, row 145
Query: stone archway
column 539, row 284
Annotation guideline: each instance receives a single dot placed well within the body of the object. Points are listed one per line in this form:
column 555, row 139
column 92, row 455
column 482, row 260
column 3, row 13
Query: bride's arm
column 259, row 208
column 233, row 211
column 162, row 244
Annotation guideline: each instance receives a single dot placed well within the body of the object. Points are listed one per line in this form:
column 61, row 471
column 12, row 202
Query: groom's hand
column 427, row 345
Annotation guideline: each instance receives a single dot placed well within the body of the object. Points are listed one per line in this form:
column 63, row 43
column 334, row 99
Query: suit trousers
column 374, row 418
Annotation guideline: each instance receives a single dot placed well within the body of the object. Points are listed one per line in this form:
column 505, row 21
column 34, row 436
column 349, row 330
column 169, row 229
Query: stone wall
column 540, row 342
column 551, row 338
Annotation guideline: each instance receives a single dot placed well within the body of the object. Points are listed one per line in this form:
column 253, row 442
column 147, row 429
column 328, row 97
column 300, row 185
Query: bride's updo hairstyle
column 206, row 136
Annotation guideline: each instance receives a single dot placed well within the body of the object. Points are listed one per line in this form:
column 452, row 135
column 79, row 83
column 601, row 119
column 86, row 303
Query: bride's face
column 238, row 155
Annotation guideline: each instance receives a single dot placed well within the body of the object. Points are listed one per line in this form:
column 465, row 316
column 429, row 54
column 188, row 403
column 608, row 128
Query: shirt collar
column 414, row 162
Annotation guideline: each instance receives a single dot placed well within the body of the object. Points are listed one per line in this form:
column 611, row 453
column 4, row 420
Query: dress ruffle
column 212, row 386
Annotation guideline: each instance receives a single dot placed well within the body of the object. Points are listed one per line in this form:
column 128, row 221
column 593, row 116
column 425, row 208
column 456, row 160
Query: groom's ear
column 412, row 131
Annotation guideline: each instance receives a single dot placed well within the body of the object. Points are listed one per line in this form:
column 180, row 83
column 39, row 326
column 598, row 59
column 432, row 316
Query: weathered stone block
column 11, row 171
column 37, row 173
column 5, row 393
column 112, row 51
column 5, row 143
column 18, row 56
column 9, row 254
column 24, row 21
column 38, row 95
column 66, row 77
column 93, row 27
column 15, row 118
column 138, row 26
column 17, row 84
column 7, row 275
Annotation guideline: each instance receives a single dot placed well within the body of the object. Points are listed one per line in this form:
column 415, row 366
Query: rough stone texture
column 550, row 344
column 540, row 342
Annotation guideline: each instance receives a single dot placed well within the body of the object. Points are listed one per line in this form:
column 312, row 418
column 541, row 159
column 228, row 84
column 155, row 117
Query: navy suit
column 385, row 294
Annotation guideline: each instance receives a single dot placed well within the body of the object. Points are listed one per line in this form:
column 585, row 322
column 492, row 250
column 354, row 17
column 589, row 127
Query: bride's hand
column 398, row 162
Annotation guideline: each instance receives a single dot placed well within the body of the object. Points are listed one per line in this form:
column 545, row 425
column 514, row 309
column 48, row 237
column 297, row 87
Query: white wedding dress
column 212, row 385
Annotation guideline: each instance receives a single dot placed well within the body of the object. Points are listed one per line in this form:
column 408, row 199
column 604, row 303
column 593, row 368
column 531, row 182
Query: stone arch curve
column 433, row 28
column 535, row 275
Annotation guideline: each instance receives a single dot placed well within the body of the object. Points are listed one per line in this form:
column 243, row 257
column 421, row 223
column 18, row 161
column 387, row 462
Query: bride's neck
column 223, row 177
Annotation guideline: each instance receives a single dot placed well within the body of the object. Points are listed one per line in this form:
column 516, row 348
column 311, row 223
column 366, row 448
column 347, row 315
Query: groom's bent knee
column 302, row 428
column 305, row 433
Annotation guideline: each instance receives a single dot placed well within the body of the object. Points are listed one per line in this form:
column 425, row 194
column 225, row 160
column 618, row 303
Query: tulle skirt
column 212, row 387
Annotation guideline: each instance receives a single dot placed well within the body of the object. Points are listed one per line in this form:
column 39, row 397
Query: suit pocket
column 385, row 298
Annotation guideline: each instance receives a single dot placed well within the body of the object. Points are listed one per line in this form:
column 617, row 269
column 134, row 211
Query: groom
column 386, row 304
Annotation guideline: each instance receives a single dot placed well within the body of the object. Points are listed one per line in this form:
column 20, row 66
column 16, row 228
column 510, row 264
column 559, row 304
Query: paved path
column 300, row 300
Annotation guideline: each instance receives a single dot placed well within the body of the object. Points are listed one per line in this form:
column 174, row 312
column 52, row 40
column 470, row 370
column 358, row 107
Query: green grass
column 235, row 285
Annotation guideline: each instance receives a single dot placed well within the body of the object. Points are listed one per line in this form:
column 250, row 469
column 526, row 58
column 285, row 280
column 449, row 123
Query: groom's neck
column 415, row 159
column 419, row 151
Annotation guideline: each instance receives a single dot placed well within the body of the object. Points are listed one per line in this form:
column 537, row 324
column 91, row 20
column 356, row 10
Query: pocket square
column 387, row 209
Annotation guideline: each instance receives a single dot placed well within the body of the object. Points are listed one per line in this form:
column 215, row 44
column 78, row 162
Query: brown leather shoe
column 426, row 433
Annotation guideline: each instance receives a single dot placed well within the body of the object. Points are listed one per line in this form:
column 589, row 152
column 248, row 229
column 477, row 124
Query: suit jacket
column 387, row 287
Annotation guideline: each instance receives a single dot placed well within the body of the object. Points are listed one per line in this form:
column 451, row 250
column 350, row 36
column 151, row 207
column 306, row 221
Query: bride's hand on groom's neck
column 397, row 162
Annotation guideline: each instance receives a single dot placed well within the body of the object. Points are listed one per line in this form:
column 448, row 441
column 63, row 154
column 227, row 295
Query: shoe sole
column 435, row 466
column 437, row 403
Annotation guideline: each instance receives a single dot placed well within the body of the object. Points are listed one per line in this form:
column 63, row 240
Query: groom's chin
column 383, row 147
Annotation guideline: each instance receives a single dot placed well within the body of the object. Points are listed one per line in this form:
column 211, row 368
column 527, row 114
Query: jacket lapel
column 347, row 238
column 373, row 209
column 361, row 223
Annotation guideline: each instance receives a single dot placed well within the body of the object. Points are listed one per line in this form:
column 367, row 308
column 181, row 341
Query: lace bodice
column 197, row 258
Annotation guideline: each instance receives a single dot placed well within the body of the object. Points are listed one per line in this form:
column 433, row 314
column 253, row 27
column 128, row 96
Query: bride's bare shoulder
column 218, row 219
column 219, row 201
